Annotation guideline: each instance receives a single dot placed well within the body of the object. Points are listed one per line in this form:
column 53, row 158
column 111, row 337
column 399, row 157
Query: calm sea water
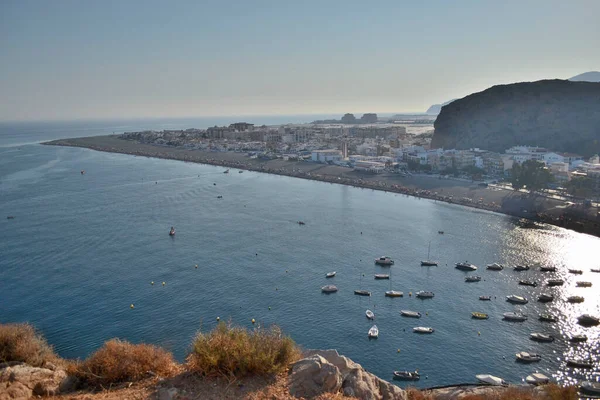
column 82, row 248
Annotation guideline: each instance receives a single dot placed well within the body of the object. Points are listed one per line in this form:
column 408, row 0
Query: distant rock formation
column 436, row 108
column 592, row 76
column 558, row 114
column 348, row 119
column 369, row 118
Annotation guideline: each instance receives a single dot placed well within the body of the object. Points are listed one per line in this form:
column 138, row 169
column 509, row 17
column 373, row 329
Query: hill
column 435, row 109
column 592, row 76
column 558, row 114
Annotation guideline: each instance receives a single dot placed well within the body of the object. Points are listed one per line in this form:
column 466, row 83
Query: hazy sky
column 110, row 59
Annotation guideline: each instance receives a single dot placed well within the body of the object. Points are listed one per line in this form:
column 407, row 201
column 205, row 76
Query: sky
column 72, row 59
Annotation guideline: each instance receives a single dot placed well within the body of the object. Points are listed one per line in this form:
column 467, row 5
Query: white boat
column 592, row 388
column 537, row 379
column 330, row 274
column 511, row 316
column 472, row 279
column 580, row 364
column 382, row 276
column 411, row 314
column 490, row 380
column 525, row 356
column 466, row 266
column 545, row 298
column 588, row 320
column 428, row 262
column 383, row 260
column 329, row 289
column 548, row 318
column 541, row 337
column 422, row 294
column 495, row 267
column 423, row 329
column 520, row 268
column 584, row 284
column 394, row 293
column 575, row 299
column 479, row 315
column 172, row 232
column 485, row 298
column 370, row 314
column 362, row 292
column 516, row 299
column 407, row 375
column 374, row 332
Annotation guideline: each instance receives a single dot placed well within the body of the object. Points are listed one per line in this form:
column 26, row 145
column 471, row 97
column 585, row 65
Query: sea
column 82, row 248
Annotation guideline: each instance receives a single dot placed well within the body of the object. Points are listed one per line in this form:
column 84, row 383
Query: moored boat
column 525, row 356
column 394, row 293
column 580, row 363
column 330, row 274
column 429, row 263
column 495, row 267
column 520, row 268
column 555, row 282
column 472, row 279
column 537, row 379
column 362, row 293
column 517, row 317
column 370, row 314
column 575, row 271
column 383, row 260
column 584, row 284
column 485, row 298
column 578, row 339
column 588, row 320
column 465, row 266
column 596, row 270
column 329, row 289
column 528, row 283
column 373, row 332
column 545, row 298
column 548, row 318
column 382, row 276
column 490, row 380
column 591, row 388
column 407, row 375
column 541, row 337
column 547, row 269
column 422, row 294
column 479, row 315
column 172, row 231
column 575, row 299
column 516, row 299
column 411, row 314
column 423, row 329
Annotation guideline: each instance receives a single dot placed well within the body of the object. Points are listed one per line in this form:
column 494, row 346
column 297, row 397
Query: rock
column 35, row 381
column 313, row 376
column 366, row 386
column 167, row 394
column 344, row 364
column 14, row 391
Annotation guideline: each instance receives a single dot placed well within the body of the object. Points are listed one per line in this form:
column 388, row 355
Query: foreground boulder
column 325, row 371
column 21, row 381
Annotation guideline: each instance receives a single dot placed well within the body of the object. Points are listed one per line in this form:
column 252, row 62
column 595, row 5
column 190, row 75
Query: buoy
column 276, row 289
column 164, row 284
column 427, row 313
column 398, row 351
column 131, row 306
column 253, row 320
column 218, row 318
column 152, row 283
column 286, row 271
column 196, row 265
column 479, row 333
column 409, row 294
column 269, row 308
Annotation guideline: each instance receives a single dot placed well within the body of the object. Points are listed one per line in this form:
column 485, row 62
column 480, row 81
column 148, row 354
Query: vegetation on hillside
column 21, row 342
column 531, row 175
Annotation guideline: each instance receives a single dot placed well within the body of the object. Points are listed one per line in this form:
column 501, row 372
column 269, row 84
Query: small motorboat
column 580, row 364
column 485, row 298
column 82, row 172
column 516, row 317
column 588, row 320
column 591, row 388
column 172, row 232
column 407, row 375
column 516, row 299
column 410, row 314
column 490, row 380
column 495, row 267
column 423, row 329
column 226, row 171
column 329, row 289
column 548, row 318
column 541, row 337
column 330, row 274
column 301, row 223
column 578, row 339
column 547, row 269
column 575, row 299
column 545, row 298
column 441, row 232
column 219, row 197
column 555, row 282
column 373, row 332
column 362, row 293
column 385, row 261
column 465, row 266
column 240, row 172
column 537, row 379
column 10, row 217
column 382, row 276
column 394, row 293
column 370, row 314
column 479, row 315
column 525, row 356
column 429, row 263
column 422, row 294
column 596, row 270
column 584, row 284
column 472, row 278
column 520, row 268
column 576, row 271
column 528, row 283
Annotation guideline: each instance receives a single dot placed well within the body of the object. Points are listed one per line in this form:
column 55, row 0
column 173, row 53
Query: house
column 325, row 156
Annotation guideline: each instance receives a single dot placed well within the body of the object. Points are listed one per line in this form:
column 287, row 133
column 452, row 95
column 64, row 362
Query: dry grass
column 229, row 351
column 21, row 342
column 416, row 394
column 119, row 361
column 556, row 392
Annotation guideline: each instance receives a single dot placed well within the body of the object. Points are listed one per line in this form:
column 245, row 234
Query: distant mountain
column 592, row 76
column 557, row 114
column 436, row 108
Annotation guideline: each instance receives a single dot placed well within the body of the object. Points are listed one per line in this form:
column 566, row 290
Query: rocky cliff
column 558, row 114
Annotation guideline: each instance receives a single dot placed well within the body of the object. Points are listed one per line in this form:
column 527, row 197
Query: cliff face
column 557, row 114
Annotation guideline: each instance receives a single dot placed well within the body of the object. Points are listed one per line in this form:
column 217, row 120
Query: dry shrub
column 237, row 352
column 21, row 342
column 556, row 392
column 120, row 361
column 416, row 394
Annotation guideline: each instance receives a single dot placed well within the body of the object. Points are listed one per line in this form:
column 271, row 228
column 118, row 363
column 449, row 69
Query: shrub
column 120, row 361
column 21, row 342
column 236, row 352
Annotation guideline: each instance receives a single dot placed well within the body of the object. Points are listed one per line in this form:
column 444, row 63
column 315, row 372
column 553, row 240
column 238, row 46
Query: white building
column 551, row 158
column 369, row 166
column 324, row 156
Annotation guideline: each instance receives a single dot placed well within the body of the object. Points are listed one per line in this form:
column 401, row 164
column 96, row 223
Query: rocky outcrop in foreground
column 325, row 371
column 557, row 114
column 21, row 381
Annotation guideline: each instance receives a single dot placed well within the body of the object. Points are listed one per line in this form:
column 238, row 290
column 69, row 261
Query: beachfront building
column 560, row 172
column 520, row 154
column 551, row 158
column 326, row 156
column 369, row 166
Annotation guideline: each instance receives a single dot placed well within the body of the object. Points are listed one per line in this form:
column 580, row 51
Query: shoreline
column 450, row 191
